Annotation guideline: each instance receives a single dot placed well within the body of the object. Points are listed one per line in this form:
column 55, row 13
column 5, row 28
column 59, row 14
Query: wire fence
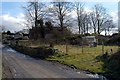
column 76, row 49
column 71, row 49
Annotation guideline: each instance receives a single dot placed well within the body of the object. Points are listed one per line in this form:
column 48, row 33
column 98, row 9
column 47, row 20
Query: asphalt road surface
column 17, row 65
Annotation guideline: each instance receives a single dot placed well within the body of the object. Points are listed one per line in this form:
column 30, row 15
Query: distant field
column 86, row 60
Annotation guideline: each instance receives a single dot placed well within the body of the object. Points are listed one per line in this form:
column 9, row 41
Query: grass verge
column 86, row 60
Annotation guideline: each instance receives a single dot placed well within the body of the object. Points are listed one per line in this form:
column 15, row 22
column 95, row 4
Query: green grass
column 86, row 60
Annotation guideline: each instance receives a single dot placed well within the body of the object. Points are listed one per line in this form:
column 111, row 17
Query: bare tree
column 60, row 11
column 108, row 26
column 88, row 23
column 85, row 23
column 98, row 17
column 79, row 8
column 83, row 19
column 93, row 22
column 34, row 11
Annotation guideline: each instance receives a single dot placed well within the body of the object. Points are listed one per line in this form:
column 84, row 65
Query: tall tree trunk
column 36, row 6
column 79, row 27
column 87, row 27
column 84, row 28
column 95, row 30
column 60, row 17
column 105, row 32
column 61, row 24
column 98, row 27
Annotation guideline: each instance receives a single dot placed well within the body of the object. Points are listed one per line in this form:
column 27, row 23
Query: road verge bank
column 46, row 52
column 39, row 52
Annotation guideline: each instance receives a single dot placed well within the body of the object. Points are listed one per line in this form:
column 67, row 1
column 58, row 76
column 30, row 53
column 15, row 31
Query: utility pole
column 66, row 46
column 82, row 46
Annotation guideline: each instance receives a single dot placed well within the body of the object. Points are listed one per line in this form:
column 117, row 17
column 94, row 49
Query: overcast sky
column 12, row 15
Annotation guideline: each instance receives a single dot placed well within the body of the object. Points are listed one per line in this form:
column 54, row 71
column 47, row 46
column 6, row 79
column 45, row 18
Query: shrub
column 114, row 40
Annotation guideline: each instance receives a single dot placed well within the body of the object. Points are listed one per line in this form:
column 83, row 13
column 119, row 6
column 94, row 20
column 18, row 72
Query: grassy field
column 86, row 60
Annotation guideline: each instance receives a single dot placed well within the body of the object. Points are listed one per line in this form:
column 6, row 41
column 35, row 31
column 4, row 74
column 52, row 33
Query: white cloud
column 73, row 14
column 114, row 16
column 12, row 23
column 87, row 10
column 115, row 19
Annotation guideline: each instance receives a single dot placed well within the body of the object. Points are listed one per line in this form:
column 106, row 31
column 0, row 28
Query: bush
column 114, row 40
column 111, row 65
column 114, row 65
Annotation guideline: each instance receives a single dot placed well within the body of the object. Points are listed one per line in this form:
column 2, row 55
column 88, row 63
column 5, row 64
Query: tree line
column 59, row 13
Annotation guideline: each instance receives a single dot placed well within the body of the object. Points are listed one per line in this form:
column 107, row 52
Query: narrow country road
column 22, row 66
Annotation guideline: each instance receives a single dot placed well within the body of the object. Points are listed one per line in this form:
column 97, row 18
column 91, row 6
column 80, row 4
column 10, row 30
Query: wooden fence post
column 102, row 47
column 66, row 46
